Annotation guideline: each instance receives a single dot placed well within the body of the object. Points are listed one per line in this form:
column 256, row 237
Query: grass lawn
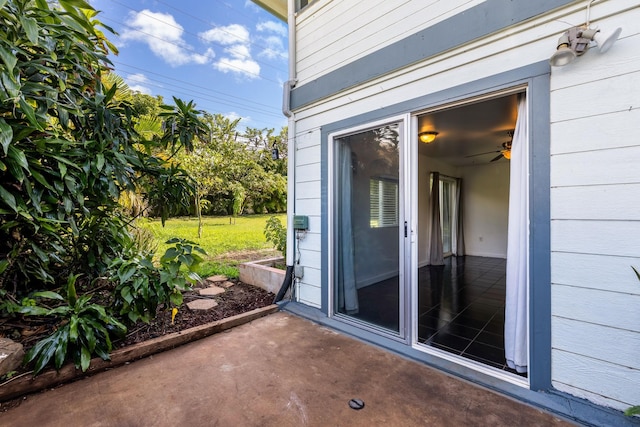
column 226, row 241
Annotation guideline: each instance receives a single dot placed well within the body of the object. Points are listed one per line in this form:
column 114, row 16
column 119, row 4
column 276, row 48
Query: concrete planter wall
column 263, row 274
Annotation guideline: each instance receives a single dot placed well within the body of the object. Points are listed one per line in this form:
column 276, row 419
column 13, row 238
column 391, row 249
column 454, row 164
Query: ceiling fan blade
column 482, row 154
column 498, row 157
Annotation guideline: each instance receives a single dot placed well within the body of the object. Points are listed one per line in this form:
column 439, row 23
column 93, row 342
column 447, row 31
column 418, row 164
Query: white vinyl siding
column 351, row 29
column 595, row 161
column 595, row 228
column 307, row 202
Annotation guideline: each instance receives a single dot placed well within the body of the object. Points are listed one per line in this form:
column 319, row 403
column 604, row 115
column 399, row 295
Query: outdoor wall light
column 427, row 137
column 576, row 41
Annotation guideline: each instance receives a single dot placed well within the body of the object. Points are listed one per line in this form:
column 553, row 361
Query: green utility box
column 300, row 222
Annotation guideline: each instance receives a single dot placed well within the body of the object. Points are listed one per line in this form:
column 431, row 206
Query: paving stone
column 210, row 291
column 202, row 304
column 11, row 354
column 226, row 284
column 216, row 279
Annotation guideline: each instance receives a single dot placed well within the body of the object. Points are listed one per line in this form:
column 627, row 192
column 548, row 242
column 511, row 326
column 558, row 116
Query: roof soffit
column 278, row 8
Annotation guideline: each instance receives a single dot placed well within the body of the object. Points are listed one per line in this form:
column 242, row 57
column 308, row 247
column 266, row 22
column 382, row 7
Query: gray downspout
column 291, row 164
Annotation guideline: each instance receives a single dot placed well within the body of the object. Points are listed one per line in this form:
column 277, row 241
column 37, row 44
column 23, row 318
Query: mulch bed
column 237, row 299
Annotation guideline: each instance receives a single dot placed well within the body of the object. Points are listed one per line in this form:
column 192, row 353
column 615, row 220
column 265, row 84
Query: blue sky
column 228, row 56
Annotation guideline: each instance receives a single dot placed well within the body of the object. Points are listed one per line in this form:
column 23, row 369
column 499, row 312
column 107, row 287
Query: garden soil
column 237, row 299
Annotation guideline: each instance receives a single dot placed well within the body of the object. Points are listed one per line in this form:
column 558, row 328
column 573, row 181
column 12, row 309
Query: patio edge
column 30, row 384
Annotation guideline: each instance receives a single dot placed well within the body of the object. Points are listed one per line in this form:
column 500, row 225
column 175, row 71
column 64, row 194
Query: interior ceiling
column 470, row 129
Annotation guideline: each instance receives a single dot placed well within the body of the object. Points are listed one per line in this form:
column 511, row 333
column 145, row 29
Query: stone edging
column 51, row 378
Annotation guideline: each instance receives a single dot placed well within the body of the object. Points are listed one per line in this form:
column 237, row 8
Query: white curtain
column 434, row 248
column 516, row 332
column 346, row 280
column 458, row 239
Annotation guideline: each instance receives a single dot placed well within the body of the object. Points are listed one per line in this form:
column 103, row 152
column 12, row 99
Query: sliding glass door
column 368, row 227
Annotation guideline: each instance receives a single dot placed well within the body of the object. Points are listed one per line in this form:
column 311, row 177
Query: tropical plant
column 142, row 287
column 69, row 147
column 82, row 329
column 235, row 171
column 276, row 233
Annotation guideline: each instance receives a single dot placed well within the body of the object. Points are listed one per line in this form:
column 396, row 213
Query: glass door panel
column 367, row 227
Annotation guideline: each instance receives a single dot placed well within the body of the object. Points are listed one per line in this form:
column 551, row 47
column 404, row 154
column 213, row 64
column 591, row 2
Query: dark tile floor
column 461, row 308
column 380, row 304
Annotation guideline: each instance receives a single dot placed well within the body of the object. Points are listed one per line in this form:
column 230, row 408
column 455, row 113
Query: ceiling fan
column 504, row 152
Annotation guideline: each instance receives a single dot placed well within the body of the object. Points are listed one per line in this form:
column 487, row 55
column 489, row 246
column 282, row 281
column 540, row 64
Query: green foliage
column 72, row 141
column 220, row 239
column 236, row 172
column 83, row 329
column 212, row 268
column 276, row 233
column 634, row 410
column 69, row 147
column 142, row 287
column 221, row 236
column 7, row 303
column 182, row 126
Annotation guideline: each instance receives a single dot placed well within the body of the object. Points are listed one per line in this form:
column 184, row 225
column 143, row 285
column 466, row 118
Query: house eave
column 278, row 8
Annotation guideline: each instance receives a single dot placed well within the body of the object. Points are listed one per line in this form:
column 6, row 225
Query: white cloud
column 237, row 58
column 272, row 27
column 164, row 36
column 137, row 82
column 232, row 115
column 207, row 56
column 273, row 48
column 272, row 40
column 230, row 34
column 251, row 5
column 247, row 68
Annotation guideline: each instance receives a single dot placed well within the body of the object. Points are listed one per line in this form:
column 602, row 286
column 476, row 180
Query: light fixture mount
column 577, row 40
column 428, row 136
column 573, row 43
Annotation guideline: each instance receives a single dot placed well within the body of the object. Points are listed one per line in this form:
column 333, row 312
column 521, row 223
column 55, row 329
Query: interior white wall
column 375, row 249
column 485, row 201
column 486, row 208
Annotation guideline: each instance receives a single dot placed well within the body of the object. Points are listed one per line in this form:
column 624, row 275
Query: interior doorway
column 464, row 186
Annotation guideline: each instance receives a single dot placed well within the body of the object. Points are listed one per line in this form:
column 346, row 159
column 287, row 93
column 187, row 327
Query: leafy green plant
column 276, row 233
column 82, row 328
column 69, row 147
column 634, row 410
column 142, row 287
column 8, row 304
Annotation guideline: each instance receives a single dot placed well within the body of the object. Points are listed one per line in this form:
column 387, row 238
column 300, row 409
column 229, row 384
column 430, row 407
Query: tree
column 68, row 148
column 235, row 171
column 70, row 145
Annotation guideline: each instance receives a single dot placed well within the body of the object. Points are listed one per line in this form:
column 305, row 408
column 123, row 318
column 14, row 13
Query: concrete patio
column 279, row 370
